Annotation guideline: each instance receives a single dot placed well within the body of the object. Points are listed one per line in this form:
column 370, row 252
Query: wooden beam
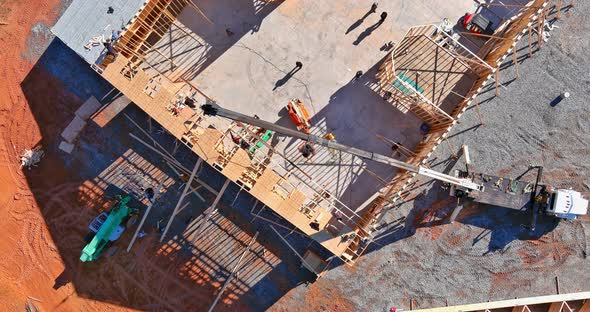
column 163, row 55
column 147, row 211
column 193, row 189
column 515, row 302
column 294, row 229
column 540, row 28
column 172, row 20
column 172, row 161
column 146, row 133
column 186, row 187
column 530, row 41
column 466, row 59
column 557, row 307
column 483, row 35
column 209, row 211
column 183, row 206
column 231, row 276
column 476, row 102
column 149, row 123
column 451, row 148
column 515, row 61
column 307, row 266
column 193, row 36
column 523, row 308
column 497, row 75
column 143, row 59
column 508, row 5
column 218, row 198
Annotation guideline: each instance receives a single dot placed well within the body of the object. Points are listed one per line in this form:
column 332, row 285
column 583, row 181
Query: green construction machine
column 106, row 228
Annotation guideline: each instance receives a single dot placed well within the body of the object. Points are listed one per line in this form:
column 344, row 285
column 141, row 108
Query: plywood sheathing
column 203, row 143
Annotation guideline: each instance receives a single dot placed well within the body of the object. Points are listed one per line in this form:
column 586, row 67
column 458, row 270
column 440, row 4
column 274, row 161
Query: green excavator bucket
column 116, row 216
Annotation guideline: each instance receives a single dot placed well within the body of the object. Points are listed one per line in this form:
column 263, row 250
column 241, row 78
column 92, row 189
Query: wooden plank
column 205, row 145
column 586, row 306
column 513, row 302
column 184, row 192
column 523, row 308
column 233, row 271
column 555, row 307
column 209, row 211
column 237, row 164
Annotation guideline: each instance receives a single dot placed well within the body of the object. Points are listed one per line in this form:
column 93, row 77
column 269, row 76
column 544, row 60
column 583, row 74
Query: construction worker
column 115, row 35
column 149, row 194
column 358, row 75
column 184, row 177
column 190, row 102
column 307, row 150
column 395, row 150
column 110, row 49
column 239, row 141
column 399, row 149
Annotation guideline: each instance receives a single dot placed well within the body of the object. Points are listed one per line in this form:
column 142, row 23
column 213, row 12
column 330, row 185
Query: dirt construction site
column 294, row 155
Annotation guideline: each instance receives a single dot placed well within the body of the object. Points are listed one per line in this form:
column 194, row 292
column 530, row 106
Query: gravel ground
column 487, row 254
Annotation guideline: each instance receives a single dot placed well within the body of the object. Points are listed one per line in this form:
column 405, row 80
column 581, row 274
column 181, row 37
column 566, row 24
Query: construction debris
column 94, row 42
column 30, row 158
column 30, row 306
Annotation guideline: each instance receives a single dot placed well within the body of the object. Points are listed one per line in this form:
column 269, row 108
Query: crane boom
column 215, row 110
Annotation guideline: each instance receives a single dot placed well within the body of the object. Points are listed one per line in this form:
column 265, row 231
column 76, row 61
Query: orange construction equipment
column 299, row 115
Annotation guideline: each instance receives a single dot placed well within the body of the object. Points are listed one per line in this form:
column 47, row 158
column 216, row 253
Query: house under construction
column 163, row 55
column 171, row 50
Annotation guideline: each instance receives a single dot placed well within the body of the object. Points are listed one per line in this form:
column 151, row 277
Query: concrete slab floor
column 333, row 40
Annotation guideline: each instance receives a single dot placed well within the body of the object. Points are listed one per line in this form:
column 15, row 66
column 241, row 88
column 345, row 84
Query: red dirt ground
column 29, row 259
column 321, row 296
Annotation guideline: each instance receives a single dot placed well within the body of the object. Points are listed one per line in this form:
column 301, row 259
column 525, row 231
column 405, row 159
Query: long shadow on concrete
column 232, row 20
column 71, row 189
